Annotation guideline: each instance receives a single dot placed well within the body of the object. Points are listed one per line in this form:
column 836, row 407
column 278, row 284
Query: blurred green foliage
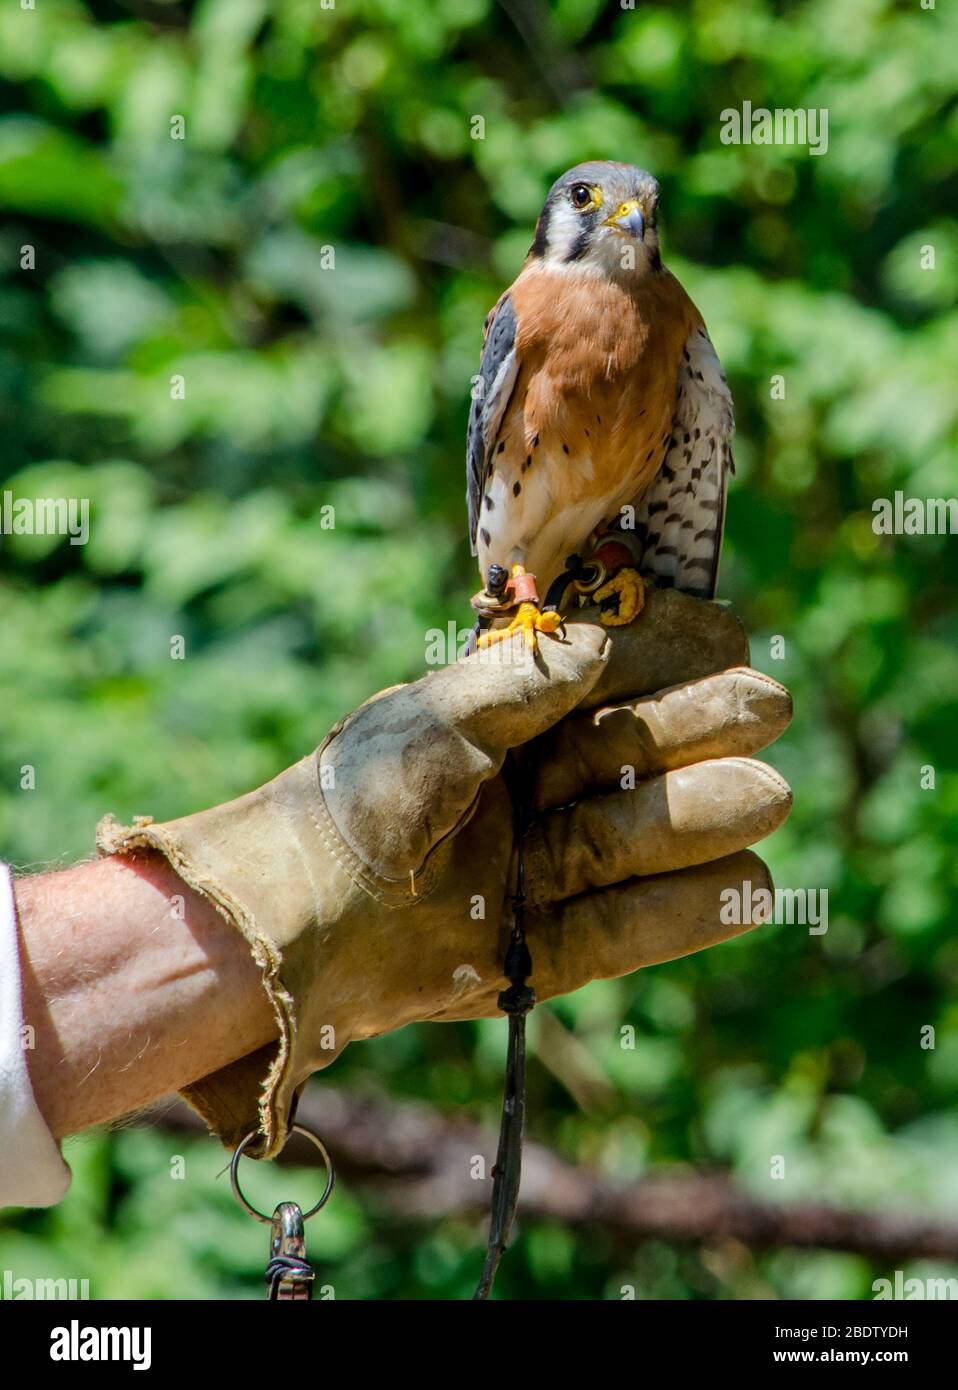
column 305, row 386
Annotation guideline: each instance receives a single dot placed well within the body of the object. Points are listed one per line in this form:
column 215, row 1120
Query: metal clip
column 289, row 1274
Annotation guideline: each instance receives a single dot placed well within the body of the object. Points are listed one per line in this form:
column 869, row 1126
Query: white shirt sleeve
column 32, row 1170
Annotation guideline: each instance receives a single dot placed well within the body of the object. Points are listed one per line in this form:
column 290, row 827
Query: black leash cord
column 517, row 1001
column 289, row 1270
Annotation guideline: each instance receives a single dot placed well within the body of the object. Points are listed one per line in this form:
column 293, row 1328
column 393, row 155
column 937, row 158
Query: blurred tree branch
column 561, row 68
column 419, row 1164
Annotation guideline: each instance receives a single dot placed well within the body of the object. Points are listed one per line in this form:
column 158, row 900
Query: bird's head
column 601, row 217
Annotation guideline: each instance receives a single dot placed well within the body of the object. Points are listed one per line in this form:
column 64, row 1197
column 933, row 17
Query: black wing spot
column 502, row 445
column 489, row 502
column 565, row 448
column 485, row 536
column 516, row 489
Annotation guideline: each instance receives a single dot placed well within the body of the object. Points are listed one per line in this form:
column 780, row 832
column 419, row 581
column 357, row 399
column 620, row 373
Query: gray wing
column 681, row 517
column 498, row 369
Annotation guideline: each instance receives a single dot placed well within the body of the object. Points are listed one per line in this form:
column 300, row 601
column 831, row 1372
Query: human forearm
column 134, row 987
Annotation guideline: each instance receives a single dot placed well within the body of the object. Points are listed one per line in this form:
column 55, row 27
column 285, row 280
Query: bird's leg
column 611, row 580
column 529, row 618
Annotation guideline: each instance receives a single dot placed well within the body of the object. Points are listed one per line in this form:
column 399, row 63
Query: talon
column 624, row 595
column 530, row 621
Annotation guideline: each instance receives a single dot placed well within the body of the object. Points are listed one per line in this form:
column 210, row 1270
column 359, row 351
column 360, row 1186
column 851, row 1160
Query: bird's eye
column 581, row 195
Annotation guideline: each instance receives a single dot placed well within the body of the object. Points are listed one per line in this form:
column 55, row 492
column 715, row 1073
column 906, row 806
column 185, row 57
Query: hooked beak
column 629, row 219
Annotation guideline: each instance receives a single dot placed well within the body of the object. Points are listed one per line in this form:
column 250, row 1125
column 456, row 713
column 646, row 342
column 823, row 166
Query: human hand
column 371, row 880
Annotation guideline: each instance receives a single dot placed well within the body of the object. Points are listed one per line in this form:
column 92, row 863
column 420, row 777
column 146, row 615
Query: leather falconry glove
column 372, row 879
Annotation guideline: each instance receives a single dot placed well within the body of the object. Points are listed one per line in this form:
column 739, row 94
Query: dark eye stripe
column 581, row 244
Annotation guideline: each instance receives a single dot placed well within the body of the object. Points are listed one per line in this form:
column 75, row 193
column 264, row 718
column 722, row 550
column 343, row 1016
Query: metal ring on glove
column 298, row 1129
column 591, row 577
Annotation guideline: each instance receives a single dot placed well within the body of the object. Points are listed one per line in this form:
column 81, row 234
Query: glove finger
column 404, row 770
column 614, row 931
column 674, row 639
column 672, row 821
column 733, row 714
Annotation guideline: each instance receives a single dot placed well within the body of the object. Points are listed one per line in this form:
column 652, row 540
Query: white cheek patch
column 565, row 226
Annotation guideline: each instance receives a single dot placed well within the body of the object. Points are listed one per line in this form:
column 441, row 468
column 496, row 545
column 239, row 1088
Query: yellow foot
column 529, row 620
column 628, row 586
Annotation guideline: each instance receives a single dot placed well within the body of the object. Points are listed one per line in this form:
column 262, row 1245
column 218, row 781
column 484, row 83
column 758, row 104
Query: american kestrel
column 601, row 423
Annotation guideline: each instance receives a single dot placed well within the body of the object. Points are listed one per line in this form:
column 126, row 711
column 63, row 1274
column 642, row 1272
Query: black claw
column 496, row 580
